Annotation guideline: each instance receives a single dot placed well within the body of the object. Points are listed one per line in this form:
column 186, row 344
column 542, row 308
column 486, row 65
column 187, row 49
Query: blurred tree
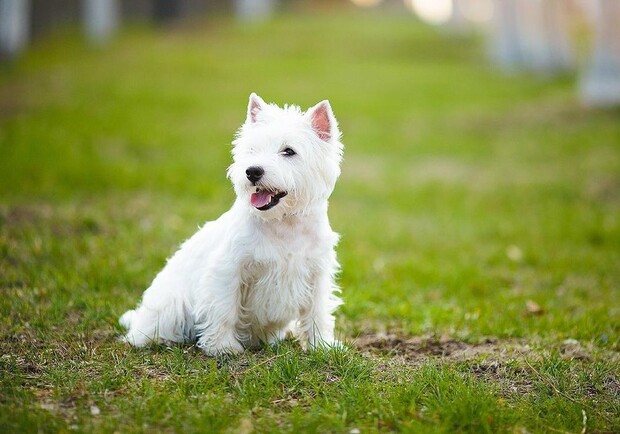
column 532, row 35
column 505, row 40
column 601, row 83
column 14, row 26
column 254, row 10
column 100, row 20
column 545, row 40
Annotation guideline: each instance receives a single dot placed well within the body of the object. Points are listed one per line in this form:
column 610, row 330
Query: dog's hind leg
column 217, row 315
column 162, row 324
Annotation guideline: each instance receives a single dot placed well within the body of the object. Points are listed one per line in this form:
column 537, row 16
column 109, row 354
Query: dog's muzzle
column 263, row 200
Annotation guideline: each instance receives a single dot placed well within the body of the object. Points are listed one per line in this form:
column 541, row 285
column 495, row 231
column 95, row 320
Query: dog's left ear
column 323, row 121
column 254, row 106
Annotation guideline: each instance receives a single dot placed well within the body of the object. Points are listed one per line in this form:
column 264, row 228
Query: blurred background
column 545, row 37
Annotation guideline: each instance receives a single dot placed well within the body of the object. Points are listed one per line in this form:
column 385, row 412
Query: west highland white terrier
column 266, row 267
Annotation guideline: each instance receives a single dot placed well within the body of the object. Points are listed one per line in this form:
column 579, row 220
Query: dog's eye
column 287, row 152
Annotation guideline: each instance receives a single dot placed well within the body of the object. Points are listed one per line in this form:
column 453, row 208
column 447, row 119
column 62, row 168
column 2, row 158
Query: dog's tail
column 127, row 318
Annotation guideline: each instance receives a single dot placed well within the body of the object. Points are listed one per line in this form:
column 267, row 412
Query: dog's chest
column 276, row 293
column 280, row 277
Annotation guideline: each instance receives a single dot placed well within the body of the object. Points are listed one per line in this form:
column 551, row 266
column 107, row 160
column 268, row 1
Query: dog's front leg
column 317, row 323
column 218, row 314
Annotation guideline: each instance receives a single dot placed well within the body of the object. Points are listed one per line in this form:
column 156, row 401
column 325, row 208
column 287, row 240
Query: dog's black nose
column 254, row 173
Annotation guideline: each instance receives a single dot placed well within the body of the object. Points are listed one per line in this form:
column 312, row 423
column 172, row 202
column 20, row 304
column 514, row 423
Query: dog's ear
column 323, row 121
column 255, row 105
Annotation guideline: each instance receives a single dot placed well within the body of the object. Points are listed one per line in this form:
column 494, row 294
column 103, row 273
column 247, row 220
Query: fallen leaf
column 514, row 253
column 533, row 308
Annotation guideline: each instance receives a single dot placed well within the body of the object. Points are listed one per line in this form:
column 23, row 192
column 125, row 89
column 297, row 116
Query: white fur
column 252, row 276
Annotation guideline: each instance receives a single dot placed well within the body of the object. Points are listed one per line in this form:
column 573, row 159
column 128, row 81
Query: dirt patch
column 490, row 360
column 504, row 362
column 420, row 348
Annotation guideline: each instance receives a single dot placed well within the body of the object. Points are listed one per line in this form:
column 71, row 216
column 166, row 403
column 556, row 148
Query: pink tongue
column 260, row 199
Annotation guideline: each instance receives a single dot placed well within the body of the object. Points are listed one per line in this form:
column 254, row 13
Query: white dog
column 266, row 267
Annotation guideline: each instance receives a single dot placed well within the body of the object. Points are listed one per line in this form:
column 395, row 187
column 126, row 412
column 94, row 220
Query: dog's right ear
column 254, row 106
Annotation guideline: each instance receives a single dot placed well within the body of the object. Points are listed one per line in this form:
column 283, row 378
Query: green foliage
column 471, row 205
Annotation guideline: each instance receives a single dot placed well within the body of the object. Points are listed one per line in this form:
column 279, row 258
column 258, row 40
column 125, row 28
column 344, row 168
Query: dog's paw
column 230, row 347
column 136, row 339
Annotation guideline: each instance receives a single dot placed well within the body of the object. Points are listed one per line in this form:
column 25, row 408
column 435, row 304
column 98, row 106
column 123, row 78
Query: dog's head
column 285, row 161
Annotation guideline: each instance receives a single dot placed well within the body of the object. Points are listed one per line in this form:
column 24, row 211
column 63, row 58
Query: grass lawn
column 479, row 213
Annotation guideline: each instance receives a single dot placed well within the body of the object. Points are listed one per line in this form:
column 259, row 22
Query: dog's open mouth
column 265, row 199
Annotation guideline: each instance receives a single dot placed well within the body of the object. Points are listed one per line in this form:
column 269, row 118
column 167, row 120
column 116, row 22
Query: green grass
column 465, row 194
